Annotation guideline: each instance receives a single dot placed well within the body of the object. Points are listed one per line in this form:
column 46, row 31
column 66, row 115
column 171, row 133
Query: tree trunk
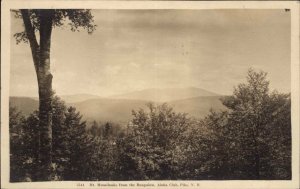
column 41, row 59
column 45, row 95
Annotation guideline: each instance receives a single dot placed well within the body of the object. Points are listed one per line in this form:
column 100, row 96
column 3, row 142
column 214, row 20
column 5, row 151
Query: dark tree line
column 250, row 140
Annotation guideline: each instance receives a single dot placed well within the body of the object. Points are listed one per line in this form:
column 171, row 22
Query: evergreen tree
column 71, row 143
column 94, row 129
column 23, row 145
column 72, row 147
column 17, row 145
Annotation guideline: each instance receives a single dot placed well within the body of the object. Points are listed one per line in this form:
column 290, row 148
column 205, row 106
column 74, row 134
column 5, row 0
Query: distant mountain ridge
column 119, row 109
column 24, row 104
column 165, row 95
column 76, row 97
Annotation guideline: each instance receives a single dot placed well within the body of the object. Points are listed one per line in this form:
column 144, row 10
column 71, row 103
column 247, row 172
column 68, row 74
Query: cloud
column 136, row 49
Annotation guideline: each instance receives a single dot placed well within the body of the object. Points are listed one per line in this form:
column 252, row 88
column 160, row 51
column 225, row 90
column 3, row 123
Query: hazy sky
column 139, row 49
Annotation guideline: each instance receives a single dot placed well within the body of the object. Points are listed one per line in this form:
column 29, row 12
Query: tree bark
column 45, row 95
column 41, row 59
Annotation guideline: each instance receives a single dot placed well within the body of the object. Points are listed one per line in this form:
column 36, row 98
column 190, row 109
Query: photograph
column 150, row 94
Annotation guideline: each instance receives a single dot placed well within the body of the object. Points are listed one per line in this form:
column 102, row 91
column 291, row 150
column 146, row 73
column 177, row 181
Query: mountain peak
column 165, row 94
column 78, row 97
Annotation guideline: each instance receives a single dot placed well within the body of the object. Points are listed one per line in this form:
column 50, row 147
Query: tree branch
column 31, row 37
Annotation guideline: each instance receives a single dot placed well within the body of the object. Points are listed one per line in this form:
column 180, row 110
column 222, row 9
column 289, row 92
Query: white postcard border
column 5, row 70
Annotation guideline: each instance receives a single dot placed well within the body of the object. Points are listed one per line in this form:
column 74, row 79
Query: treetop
column 74, row 18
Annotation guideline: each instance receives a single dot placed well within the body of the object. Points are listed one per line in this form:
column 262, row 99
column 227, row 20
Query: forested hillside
column 248, row 137
column 192, row 101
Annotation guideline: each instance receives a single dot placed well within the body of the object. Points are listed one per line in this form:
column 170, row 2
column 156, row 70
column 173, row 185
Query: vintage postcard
column 149, row 94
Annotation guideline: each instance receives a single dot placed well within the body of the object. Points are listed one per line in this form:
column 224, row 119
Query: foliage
column 104, row 161
column 255, row 117
column 71, row 144
column 18, row 157
column 153, row 148
column 105, row 130
column 209, row 148
column 74, row 18
column 250, row 140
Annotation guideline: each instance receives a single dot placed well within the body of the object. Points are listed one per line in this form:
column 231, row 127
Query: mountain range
column 165, row 95
column 118, row 108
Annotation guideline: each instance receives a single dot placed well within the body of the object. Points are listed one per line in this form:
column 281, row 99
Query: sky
column 139, row 49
